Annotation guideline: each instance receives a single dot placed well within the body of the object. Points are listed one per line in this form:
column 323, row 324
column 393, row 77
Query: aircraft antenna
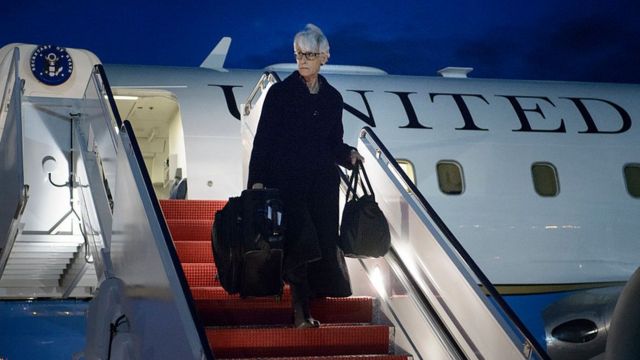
column 455, row 72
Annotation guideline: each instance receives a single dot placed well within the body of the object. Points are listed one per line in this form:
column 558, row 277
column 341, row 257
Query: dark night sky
column 548, row 40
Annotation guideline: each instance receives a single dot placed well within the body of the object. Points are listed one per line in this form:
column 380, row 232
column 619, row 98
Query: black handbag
column 364, row 231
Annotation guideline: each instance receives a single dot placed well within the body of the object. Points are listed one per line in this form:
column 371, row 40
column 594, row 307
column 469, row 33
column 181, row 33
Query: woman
column 296, row 148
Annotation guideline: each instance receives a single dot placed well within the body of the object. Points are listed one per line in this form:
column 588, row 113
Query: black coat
column 296, row 148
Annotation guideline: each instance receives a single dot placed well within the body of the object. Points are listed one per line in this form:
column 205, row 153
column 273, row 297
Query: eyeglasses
column 310, row 56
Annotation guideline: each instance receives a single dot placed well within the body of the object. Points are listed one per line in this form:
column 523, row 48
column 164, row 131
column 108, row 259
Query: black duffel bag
column 364, row 231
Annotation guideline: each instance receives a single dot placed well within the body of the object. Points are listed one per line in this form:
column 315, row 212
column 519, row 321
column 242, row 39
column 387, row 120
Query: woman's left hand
column 355, row 156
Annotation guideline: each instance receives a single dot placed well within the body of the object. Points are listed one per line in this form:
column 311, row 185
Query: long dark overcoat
column 296, row 148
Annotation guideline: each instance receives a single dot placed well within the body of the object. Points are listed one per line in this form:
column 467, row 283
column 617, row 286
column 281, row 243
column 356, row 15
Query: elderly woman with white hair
column 297, row 148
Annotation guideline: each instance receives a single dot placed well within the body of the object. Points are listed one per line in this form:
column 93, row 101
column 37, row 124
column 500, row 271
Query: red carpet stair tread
column 261, row 327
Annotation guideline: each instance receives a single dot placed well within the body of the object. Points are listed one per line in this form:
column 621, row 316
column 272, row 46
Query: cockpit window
column 545, row 179
column 450, row 178
column 632, row 179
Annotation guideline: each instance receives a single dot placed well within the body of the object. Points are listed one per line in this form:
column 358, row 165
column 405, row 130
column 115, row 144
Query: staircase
column 262, row 327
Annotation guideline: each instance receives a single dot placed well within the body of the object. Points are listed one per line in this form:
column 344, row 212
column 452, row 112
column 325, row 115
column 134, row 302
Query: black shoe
column 301, row 316
column 307, row 323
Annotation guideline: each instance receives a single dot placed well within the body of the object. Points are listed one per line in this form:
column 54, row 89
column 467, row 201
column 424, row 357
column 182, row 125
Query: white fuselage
column 494, row 129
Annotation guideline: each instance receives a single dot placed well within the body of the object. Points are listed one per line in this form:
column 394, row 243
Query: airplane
column 538, row 180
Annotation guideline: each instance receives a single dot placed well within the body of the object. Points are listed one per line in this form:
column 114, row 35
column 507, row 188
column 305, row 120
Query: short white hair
column 311, row 39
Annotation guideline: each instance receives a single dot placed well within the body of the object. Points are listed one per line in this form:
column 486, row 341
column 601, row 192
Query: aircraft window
column 450, row 177
column 545, row 179
column 408, row 168
column 632, row 178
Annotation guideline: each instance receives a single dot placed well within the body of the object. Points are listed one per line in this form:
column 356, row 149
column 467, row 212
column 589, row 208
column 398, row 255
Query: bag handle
column 353, row 185
column 366, row 178
column 353, row 182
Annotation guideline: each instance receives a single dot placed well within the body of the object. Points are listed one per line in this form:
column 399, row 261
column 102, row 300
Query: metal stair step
column 326, row 340
column 191, row 209
column 201, row 274
column 224, row 309
column 194, row 251
column 343, row 357
column 190, row 230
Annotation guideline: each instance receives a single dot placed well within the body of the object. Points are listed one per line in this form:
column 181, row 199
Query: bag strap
column 353, row 184
column 355, row 178
column 366, row 178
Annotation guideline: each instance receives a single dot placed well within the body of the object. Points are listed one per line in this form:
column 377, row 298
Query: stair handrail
column 13, row 204
column 12, row 74
column 267, row 78
column 249, row 120
column 128, row 131
column 136, row 178
column 531, row 346
column 96, row 145
column 99, row 69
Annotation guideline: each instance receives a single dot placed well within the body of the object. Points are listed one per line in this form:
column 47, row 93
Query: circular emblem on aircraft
column 52, row 65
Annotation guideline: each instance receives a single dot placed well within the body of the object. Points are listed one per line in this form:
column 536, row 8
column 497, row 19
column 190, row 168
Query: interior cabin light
column 125, row 97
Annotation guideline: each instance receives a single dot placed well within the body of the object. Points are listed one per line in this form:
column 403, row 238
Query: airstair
column 79, row 218
column 43, row 251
